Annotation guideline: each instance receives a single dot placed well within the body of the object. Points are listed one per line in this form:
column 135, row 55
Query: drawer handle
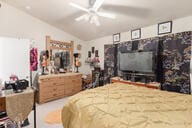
column 54, row 94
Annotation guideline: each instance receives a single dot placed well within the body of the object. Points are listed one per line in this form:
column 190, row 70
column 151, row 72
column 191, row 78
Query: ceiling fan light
column 87, row 17
column 94, row 20
column 106, row 15
column 97, row 23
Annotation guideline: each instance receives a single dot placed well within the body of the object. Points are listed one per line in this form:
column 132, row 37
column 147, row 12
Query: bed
column 126, row 106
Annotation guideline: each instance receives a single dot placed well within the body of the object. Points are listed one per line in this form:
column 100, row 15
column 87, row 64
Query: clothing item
column 57, row 62
column 33, row 59
column 65, row 59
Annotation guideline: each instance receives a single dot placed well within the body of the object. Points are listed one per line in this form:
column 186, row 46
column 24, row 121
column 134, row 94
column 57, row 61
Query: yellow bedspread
column 127, row 106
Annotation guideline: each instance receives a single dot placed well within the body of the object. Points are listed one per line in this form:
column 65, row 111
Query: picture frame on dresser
column 165, row 27
column 136, row 34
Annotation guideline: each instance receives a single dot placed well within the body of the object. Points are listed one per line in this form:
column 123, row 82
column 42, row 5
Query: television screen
column 137, row 61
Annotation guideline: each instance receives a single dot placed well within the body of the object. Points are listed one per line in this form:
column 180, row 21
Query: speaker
column 9, row 85
column 22, row 84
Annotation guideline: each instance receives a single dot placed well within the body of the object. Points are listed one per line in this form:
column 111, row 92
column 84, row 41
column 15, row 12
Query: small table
column 17, row 105
column 153, row 85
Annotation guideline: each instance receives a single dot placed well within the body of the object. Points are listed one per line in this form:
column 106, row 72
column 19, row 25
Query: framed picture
column 136, row 34
column 116, row 38
column 164, row 27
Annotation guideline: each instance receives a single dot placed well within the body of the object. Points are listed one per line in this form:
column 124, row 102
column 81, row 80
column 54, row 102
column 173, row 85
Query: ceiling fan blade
column 79, row 7
column 97, row 4
column 106, row 15
column 128, row 10
column 83, row 17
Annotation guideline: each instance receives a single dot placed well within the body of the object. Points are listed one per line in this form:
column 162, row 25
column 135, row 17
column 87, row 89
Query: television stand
column 139, row 77
column 153, row 85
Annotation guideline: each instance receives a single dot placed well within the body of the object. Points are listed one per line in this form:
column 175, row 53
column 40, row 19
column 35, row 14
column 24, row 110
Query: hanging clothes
column 65, row 59
column 57, row 60
column 33, row 59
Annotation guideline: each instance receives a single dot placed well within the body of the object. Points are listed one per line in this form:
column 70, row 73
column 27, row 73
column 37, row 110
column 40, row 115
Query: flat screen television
column 136, row 62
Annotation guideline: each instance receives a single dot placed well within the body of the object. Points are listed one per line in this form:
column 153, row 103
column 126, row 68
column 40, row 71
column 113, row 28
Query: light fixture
column 28, row 7
column 92, row 12
column 94, row 20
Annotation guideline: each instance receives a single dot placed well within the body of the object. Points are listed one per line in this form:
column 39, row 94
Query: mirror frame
column 59, row 45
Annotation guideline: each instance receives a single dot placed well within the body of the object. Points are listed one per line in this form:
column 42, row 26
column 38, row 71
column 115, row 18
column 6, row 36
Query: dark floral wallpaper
column 150, row 44
column 172, row 53
column 176, row 62
column 109, row 61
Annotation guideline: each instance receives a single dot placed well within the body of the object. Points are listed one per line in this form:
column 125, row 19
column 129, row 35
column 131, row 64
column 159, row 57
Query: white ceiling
column 131, row 14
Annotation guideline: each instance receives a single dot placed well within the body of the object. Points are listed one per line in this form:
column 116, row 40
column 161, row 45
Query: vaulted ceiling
column 130, row 14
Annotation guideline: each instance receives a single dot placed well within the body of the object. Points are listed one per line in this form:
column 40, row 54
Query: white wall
column 179, row 25
column 16, row 23
column 14, row 58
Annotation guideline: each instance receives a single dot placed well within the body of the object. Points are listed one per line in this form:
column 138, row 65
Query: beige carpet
column 53, row 117
column 43, row 110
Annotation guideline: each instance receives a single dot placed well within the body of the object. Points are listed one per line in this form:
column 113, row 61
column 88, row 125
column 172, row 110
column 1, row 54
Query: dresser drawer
column 50, row 83
column 79, row 76
column 77, row 90
column 68, row 92
column 47, row 79
column 72, row 91
column 77, row 84
column 72, row 79
column 51, row 95
column 55, row 87
column 51, row 89
column 67, row 81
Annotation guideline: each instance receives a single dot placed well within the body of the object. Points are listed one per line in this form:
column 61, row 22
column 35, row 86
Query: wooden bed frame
column 148, row 85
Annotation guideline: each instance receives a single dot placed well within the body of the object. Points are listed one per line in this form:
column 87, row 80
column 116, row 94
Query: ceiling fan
column 92, row 13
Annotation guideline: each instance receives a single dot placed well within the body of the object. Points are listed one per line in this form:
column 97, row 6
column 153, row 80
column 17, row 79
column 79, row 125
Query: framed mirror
column 61, row 54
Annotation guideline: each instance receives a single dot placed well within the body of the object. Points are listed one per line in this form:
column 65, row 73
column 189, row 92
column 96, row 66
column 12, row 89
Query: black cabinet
column 139, row 77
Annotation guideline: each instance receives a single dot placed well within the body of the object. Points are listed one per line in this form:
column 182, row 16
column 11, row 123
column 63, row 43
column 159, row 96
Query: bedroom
column 128, row 27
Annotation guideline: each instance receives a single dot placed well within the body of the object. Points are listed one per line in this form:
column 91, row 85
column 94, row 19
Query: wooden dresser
column 57, row 86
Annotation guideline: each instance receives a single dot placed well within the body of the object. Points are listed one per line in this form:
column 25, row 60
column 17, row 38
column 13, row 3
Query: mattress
column 126, row 106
